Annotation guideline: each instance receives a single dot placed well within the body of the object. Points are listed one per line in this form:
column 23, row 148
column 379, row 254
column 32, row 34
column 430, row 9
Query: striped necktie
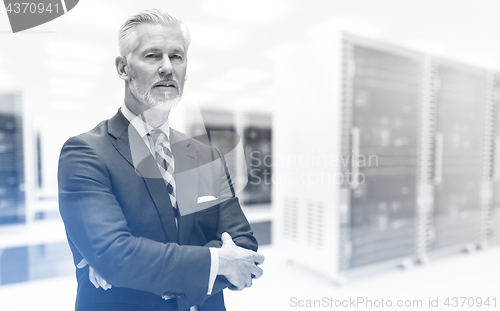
column 165, row 161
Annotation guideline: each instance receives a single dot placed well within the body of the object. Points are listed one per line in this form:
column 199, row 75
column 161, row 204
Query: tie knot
column 158, row 137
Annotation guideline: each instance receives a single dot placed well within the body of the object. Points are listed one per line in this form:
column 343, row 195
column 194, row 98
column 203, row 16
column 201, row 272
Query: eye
column 152, row 55
column 177, row 57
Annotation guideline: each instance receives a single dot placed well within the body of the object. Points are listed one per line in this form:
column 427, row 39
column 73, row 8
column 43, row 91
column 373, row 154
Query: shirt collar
column 142, row 127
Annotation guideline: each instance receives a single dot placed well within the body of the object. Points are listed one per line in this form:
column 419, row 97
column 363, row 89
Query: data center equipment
column 257, row 138
column 462, row 155
column 492, row 215
column 12, row 187
column 384, row 156
column 254, row 164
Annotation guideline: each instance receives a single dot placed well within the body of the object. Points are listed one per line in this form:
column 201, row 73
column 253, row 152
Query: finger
column 237, row 284
column 101, row 282
column 226, row 239
column 257, row 272
column 92, row 277
column 249, row 283
column 258, row 258
column 82, row 264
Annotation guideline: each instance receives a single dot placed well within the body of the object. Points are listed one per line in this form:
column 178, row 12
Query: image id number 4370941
column 33, row 8
column 454, row 302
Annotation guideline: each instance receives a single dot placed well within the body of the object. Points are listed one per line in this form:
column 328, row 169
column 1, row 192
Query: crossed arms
column 103, row 229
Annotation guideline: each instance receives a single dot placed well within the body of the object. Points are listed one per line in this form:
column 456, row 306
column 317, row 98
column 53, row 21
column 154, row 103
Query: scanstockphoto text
column 467, row 302
column 322, row 169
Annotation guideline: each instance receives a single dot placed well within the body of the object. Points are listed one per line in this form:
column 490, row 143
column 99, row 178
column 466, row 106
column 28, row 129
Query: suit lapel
column 131, row 146
column 117, row 128
column 186, row 179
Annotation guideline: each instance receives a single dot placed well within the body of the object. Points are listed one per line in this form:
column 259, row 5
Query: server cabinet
column 257, row 142
column 493, row 215
column 412, row 142
column 218, row 127
column 251, row 165
column 383, row 97
column 12, row 189
column 460, row 178
column 348, row 199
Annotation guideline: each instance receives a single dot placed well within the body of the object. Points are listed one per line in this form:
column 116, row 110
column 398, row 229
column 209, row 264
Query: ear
column 121, row 67
column 186, row 76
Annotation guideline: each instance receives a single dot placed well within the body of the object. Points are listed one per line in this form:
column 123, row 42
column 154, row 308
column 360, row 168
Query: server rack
column 12, row 189
column 254, row 164
column 462, row 144
column 493, row 214
column 430, row 122
column 250, row 163
column 257, row 142
column 383, row 97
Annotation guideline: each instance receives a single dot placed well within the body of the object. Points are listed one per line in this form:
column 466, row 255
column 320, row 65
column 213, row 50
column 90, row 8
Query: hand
column 94, row 277
column 237, row 264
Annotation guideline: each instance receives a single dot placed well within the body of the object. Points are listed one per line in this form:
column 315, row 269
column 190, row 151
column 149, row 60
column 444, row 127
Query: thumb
column 226, row 240
column 82, row 264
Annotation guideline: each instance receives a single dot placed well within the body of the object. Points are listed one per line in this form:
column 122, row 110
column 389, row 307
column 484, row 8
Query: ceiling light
column 254, row 12
column 70, row 87
column 213, row 37
column 223, row 86
column 248, row 75
column 74, row 50
column 73, row 67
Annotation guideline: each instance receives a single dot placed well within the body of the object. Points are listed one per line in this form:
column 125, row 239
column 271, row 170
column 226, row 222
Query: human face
column 157, row 66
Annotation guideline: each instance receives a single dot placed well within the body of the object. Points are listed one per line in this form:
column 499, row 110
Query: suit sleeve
column 231, row 220
column 95, row 224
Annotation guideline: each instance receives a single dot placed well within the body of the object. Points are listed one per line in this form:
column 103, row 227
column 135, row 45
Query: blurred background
column 370, row 135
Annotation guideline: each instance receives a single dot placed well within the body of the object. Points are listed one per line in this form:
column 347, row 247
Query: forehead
column 158, row 36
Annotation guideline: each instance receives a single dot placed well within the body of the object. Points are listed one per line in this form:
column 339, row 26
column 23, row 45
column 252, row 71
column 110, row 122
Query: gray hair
column 127, row 36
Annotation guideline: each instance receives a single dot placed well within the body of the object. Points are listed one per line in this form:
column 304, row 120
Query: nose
column 165, row 67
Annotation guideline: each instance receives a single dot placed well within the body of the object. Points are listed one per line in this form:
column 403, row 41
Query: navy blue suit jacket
column 118, row 217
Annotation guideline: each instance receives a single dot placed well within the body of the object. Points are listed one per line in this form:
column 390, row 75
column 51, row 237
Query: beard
column 165, row 102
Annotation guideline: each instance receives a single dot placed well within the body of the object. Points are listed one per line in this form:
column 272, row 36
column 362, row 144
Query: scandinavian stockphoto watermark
column 26, row 14
column 378, row 303
column 311, row 168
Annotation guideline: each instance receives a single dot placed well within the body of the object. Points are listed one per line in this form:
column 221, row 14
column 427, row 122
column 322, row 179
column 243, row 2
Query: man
column 150, row 210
